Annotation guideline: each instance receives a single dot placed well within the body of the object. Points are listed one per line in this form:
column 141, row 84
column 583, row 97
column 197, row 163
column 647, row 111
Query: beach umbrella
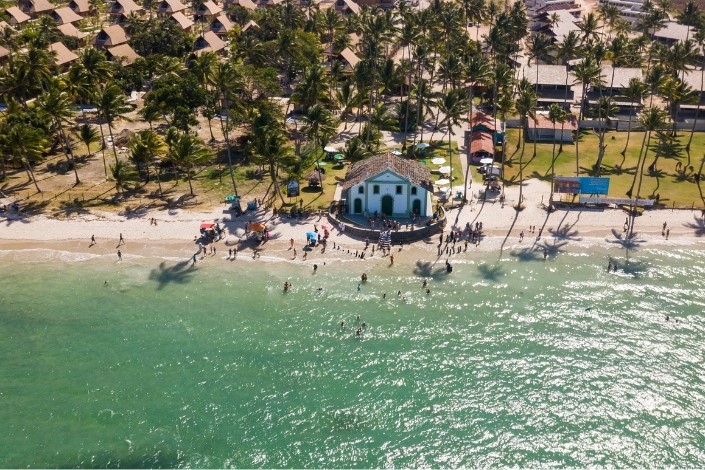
column 330, row 149
column 442, row 182
column 422, row 145
column 397, row 152
column 444, row 170
column 257, row 227
column 311, row 235
column 486, row 161
column 438, row 161
column 338, row 157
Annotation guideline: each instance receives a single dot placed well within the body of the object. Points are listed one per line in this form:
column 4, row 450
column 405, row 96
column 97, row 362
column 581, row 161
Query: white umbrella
column 422, row 145
column 330, row 149
column 445, row 170
column 396, row 152
column 486, row 161
column 442, row 182
column 438, row 161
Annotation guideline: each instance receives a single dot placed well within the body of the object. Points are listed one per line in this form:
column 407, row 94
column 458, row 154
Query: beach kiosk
column 257, row 230
column 234, row 202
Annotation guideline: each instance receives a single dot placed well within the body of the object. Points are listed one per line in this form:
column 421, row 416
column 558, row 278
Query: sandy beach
column 173, row 235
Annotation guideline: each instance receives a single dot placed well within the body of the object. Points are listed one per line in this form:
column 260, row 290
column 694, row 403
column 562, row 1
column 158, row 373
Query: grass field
column 670, row 187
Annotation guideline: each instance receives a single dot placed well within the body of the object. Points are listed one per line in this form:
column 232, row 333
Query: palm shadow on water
column 180, row 273
column 491, row 272
column 427, row 269
column 634, row 268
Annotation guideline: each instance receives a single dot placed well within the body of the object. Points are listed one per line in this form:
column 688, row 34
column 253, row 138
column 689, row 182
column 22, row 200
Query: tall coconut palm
column 454, row 107
column 187, row 151
column 691, row 16
column 318, row 122
column 144, row 147
column 268, row 146
column 227, row 83
column 122, row 174
column 55, row 103
column 651, row 119
column 88, row 136
column 604, row 109
column 587, row 72
column 24, row 144
column 505, row 105
column 525, row 106
column 635, row 92
column 112, row 105
column 556, row 114
column 700, row 40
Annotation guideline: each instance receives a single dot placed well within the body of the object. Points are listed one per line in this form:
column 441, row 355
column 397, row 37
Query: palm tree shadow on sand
column 697, row 226
column 179, row 273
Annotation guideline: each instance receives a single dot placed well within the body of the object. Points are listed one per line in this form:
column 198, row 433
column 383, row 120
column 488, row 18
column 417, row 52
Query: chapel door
column 387, row 205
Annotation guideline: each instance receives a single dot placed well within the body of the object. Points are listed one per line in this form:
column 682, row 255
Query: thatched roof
column 124, row 52
column 65, row 15
column 63, row 54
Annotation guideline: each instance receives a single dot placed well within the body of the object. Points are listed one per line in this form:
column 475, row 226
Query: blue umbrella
column 311, row 235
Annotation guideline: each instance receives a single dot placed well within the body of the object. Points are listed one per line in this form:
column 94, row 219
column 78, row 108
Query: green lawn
column 665, row 182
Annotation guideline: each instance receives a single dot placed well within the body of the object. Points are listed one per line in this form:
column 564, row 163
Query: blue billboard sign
column 589, row 185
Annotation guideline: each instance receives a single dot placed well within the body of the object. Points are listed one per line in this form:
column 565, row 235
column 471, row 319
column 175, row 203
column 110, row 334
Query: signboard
column 581, row 185
column 292, row 189
column 617, row 200
column 566, row 185
column 590, row 185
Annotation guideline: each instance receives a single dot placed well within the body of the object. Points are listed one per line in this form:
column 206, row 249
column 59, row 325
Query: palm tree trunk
column 67, row 151
column 102, row 148
column 112, row 141
column 226, row 137
column 30, row 174
column 521, row 164
column 188, row 178
column 697, row 109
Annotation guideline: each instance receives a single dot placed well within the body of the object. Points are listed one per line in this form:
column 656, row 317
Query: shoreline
column 173, row 235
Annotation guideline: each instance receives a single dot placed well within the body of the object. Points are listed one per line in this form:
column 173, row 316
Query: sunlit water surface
column 516, row 362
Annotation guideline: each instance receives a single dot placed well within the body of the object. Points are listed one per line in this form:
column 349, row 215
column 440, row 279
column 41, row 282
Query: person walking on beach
column 92, row 240
column 121, row 241
column 391, row 260
column 119, row 255
column 521, row 236
column 291, row 243
column 668, row 232
column 193, row 259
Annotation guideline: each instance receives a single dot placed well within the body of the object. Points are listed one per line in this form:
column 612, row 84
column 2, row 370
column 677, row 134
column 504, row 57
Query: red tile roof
column 416, row 172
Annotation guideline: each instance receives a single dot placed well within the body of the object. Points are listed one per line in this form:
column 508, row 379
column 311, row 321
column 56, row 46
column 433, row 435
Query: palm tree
column 112, row 105
column 227, row 83
column 24, row 144
column 635, row 93
column 586, row 72
column 145, row 146
column 268, row 145
column 187, row 151
column 525, row 106
column 556, row 114
column 700, row 39
column 88, row 136
column 121, row 173
column 55, row 103
column 454, row 107
column 651, row 119
column 691, row 16
column 319, row 122
column 605, row 109
column 505, row 105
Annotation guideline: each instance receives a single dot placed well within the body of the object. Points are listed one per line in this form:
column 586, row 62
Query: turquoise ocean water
column 514, row 362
